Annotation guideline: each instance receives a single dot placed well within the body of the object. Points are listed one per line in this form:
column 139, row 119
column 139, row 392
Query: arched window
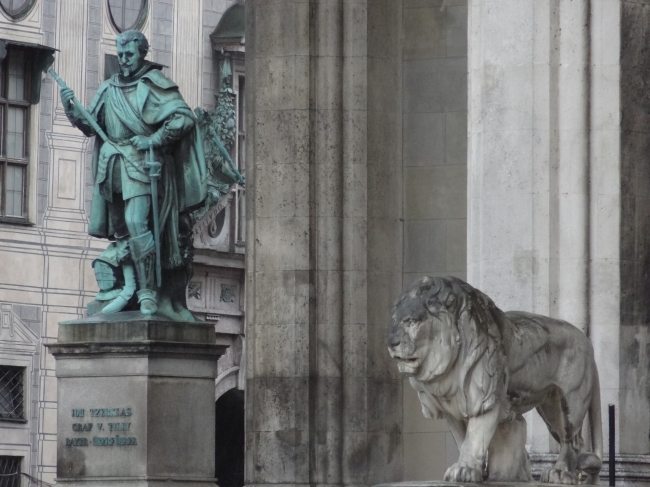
column 17, row 9
column 128, row 14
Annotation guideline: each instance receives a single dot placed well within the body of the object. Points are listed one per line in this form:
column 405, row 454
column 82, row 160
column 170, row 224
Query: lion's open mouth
column 407, row 365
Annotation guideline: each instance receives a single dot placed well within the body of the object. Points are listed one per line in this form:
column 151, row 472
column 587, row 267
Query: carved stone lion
column 481, row 369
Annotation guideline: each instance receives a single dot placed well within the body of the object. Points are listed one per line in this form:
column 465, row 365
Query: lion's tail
column 587, row 461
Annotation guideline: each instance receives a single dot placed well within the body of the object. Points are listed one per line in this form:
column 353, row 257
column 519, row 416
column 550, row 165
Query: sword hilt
column 153, row 165
column 154, row 169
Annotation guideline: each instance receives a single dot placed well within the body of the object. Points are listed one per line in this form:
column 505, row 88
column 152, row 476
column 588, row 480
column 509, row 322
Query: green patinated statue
column 142, row 119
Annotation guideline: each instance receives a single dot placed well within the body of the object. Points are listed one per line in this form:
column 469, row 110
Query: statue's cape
column 157, row 98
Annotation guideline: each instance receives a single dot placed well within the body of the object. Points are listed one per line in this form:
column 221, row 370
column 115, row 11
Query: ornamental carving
column 194, row 290
column 227, row 294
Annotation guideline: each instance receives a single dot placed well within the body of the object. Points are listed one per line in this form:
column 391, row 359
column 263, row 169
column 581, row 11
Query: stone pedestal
column 136, row 401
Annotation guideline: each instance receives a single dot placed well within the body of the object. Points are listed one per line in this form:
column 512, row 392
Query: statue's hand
column 66, row 96
column 140, row 142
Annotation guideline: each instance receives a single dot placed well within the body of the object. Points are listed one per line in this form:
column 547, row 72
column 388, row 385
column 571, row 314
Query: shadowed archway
column 229, row 439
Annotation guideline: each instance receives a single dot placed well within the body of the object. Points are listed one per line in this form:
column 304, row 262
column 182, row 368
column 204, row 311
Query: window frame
column 19, row 14
column 25, row 409
column 18, row 474
column 139, row 23
column 5, row 104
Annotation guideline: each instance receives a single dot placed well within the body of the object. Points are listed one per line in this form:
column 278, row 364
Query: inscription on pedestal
column 121, row 423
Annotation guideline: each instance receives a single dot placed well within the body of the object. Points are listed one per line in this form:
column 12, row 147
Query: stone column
column 529, row 217
column 625, row 67
column 188, row 50
column 558, row 144
column 528, row 154
column 323, row 403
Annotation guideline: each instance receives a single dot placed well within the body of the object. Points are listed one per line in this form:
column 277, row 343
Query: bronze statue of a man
column 140, row 108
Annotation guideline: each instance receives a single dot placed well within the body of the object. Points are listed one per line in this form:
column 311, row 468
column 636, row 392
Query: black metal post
column 612, row 445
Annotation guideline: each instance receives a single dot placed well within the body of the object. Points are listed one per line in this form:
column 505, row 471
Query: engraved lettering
column 117, row 426
column 76, row 442
column 108, row 412
column 103, row 441
column 126, row 441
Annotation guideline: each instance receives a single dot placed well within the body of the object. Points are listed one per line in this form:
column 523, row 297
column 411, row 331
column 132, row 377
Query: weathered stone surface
column 633, row 336
column 135, row 401
column 133, row 326
column 324, row 241
column 558, row 180
column 434, row 186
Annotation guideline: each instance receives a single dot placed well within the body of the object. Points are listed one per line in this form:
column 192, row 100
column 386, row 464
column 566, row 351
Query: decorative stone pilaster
column 65, row 206
column 558, row 143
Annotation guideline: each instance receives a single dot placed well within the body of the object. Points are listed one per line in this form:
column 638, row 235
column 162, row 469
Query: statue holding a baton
column 148, row 171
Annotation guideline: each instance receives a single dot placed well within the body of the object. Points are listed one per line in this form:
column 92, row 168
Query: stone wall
column 212, row 12
column 434, row 170
column 162, row 33
column 435, row 138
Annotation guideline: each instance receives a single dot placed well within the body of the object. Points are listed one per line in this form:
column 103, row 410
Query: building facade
column 502, row 142
column 45, row 254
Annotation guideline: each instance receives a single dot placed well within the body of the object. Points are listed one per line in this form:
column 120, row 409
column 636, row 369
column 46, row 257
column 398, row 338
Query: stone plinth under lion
column 481, row 369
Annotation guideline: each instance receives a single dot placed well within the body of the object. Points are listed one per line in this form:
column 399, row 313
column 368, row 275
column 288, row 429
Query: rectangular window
column 10, row 471
column 14, row 134
column 12, row 393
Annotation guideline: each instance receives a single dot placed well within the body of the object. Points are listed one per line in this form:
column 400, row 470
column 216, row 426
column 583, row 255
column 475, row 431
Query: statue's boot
column 143, row 254
column 122, row 299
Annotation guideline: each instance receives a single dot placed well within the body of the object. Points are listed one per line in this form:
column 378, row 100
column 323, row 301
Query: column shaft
column 322, row 406
column 545, row 169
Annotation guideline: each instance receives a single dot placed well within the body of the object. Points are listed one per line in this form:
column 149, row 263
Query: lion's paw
column 463, row 473
column 558, row 476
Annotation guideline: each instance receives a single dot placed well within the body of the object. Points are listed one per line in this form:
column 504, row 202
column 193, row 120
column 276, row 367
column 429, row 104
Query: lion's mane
column 480, row 325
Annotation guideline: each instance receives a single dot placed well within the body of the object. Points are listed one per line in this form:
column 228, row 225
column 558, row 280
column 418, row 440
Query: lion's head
column 442, row 326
